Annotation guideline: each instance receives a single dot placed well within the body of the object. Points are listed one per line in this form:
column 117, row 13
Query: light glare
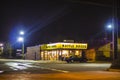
column 20, row 39
column 1, row 44
column 109, row 26
column 22, row 33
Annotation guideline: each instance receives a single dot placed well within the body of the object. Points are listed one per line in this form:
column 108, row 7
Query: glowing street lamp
column 1, row 44
column 21, row 33
column 109, row 26
column 21, row 39
column 116, row 59
column 112, row 28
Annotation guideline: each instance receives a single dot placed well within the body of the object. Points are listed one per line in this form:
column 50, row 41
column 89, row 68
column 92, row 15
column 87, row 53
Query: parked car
column 72, row 59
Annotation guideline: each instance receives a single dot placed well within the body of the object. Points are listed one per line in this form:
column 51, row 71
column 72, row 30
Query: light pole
column 111, row 26
column 21, row 39
column 116, row 61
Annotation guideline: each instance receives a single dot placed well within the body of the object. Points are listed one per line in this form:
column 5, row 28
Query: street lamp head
column 21, row 39
column 22, row 33
column 109, row 26
column 1, row 44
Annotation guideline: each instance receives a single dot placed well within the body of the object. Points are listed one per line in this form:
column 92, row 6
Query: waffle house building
column 56, row 51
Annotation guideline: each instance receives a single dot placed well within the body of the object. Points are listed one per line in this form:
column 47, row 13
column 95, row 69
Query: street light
column 116, row 59
column 22, row 33
column 21, row 39
column 111, row 26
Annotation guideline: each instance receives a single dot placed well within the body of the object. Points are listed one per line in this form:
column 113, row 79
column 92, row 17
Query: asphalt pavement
column 111, row 74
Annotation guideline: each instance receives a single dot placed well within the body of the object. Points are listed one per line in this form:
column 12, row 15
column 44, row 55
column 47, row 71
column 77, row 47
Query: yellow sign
column 64, row 46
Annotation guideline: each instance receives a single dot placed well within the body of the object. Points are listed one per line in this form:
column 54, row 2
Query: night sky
column 47, row 21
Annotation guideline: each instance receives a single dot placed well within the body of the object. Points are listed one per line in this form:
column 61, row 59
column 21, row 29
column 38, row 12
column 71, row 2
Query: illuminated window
column 65, row 53
column 77, row 53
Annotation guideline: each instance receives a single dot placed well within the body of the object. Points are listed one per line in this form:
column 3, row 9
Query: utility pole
column 116, row 56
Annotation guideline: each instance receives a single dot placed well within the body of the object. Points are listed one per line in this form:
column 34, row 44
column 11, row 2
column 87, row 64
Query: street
column 49, row 67
column 41, row 70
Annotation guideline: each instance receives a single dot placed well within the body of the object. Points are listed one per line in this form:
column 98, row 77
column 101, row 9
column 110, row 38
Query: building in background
column 1, row 49
column 59, row 50
column 55, row 51
column 102, row 53
column 33, row 53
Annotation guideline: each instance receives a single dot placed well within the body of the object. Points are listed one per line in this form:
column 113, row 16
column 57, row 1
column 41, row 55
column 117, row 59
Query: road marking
column 21, row 66
column 1, row 71
column 59, row 70
column 54, row 69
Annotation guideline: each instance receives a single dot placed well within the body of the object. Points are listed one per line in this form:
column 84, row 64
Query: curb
column 114, row 70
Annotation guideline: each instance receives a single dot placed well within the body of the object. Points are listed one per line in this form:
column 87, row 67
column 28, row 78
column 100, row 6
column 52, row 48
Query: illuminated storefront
column 57, row 51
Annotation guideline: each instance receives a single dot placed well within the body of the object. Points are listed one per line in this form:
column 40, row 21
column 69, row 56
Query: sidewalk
column 39, row 61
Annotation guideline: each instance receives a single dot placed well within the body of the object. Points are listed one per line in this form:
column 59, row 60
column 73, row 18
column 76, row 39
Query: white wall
column 33, row 53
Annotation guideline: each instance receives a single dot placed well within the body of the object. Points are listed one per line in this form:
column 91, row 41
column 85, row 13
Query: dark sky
column 53, row 20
